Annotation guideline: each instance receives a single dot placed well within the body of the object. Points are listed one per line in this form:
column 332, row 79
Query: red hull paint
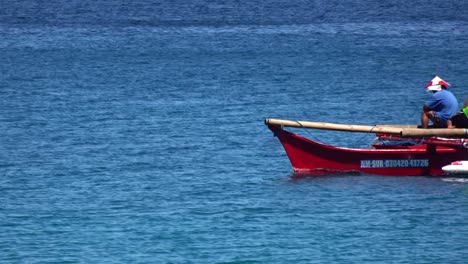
column 310, row 157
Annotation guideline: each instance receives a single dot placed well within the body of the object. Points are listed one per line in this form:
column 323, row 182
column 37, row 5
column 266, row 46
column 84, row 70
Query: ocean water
column 132, row 131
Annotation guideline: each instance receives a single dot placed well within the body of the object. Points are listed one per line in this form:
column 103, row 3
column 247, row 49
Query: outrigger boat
column 457, row 167
column 428, row 152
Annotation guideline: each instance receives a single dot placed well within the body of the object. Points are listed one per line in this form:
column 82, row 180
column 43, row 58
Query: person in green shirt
column 460, row 119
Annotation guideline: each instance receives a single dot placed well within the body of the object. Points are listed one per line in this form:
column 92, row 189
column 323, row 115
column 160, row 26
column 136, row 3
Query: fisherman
column 440, row 107
column 460, row 119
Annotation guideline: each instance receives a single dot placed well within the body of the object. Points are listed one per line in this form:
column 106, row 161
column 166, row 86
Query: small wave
column 460, row 180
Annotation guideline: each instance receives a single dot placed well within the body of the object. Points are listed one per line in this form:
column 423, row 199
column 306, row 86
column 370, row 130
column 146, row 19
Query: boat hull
column 311, row 158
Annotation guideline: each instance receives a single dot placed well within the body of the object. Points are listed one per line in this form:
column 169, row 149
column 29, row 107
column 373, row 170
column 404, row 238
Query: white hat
column 436, row 84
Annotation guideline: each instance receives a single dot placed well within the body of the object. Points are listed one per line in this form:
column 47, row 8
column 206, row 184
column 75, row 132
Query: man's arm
column 426, row 108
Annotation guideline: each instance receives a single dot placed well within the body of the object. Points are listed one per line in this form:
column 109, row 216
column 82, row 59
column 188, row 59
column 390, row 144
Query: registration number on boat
column 405, row 163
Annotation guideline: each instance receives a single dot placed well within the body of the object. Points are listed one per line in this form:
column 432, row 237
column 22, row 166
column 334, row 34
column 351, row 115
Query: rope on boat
column 299, row 123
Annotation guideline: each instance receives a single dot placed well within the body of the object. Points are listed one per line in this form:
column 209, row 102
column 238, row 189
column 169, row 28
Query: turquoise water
column 133, row 132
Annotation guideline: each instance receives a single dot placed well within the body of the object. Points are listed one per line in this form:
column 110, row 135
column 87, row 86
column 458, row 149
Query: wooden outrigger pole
column 403, row 131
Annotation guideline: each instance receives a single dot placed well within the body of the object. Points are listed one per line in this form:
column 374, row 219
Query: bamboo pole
column 403, row 131
column 435, row 132
column 399, row 126
column 334, row 126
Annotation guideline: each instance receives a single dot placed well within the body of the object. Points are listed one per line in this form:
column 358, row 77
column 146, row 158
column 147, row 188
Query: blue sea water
column 132, row 131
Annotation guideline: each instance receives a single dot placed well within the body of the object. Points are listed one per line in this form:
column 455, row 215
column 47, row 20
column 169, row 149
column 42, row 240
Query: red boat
column 425, row 156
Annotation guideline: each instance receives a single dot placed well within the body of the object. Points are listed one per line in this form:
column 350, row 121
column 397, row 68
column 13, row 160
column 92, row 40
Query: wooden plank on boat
column 334, row 126
column 403, row 131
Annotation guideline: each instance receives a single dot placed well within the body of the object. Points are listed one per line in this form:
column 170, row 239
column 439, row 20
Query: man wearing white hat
column 440, row 107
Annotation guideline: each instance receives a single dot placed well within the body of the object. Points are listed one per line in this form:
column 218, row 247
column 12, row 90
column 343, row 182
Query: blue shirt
column 444, row 104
